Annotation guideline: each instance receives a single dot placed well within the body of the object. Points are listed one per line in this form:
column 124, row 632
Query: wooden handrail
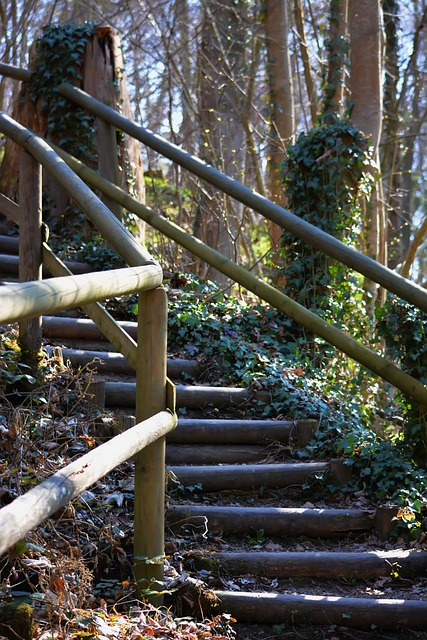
column 122, row 241
column 32, row 508
column 345, row 343
column 31, row 299
column 17, row 73
column 120, row 338
column 319, row 239
column 304, row 230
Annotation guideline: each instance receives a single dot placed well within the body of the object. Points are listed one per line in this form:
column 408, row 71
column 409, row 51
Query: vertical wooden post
column 150, row 462
column 30, row 246
column 108, row 161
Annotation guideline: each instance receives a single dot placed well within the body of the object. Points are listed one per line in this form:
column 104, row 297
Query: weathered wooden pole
column 31, row 299
column 150, row 463
column 122, row 241
column 30, row 509
column 30, row 248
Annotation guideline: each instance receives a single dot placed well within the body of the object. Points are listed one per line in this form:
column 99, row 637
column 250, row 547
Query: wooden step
column 316, row 564
column 274, row 521
column 116, row 363
column 79, row 328
column 247, row 477
column 122, row 394
column 9, row 264
column 367, row 614
column 205, row 431
column 9, row 244
column 182, row 454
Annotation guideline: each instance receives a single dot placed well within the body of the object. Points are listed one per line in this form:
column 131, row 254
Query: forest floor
column 75, row 569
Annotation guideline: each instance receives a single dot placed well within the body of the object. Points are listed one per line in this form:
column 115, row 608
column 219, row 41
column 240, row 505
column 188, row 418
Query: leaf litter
column 74, row 569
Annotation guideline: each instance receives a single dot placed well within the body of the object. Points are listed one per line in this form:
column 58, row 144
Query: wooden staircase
column 242, row 511
column 244, row 516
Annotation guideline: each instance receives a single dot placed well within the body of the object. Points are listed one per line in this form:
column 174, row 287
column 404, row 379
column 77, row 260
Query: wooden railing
column 27, row 301
column 331, row 246
column 342, row 341
column 152, row 386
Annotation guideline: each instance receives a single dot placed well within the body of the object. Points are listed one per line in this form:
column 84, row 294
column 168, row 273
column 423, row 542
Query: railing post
column 150, row 463
column 30, row 247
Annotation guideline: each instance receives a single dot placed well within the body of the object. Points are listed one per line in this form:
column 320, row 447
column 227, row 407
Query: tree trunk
column 337, row 55
column 221, row 69
column 281, row 99
column 308, row 73
column 119, row 159
column 365, row 23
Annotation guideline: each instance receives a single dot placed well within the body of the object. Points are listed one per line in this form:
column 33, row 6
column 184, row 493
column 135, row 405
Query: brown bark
column 281, row 100
column 119, row 160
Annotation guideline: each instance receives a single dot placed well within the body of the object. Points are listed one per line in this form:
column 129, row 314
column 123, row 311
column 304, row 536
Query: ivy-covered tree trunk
column 91, row 58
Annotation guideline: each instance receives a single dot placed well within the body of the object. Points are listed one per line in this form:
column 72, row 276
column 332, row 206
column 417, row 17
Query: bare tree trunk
column 221, row 91
column 365, row 23
column 308, row 73
column 337, row 54
column 390, row 147
column 281, row 98
column 403, row 122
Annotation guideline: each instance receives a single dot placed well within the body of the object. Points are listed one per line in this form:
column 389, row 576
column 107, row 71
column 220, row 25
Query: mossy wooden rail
column 27, row 301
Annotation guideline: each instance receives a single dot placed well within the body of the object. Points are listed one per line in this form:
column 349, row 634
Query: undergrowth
column 252, row 345
column 74, row 570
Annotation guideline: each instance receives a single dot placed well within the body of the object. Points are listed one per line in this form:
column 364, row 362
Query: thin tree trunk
column 365, row 23
column 221, row 68
column 337, row 55
column 281, row 99
column 308, row 72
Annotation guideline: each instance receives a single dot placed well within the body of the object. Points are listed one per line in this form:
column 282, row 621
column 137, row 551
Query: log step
column 247, row 477
column 9, row 264
column 356, row 613
column 203, row 431
column 317, row 523
column 116, row 363
column 182, row 454
column 122, row 394
column 317, row 564
column 79, row 328
column 9, row 244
